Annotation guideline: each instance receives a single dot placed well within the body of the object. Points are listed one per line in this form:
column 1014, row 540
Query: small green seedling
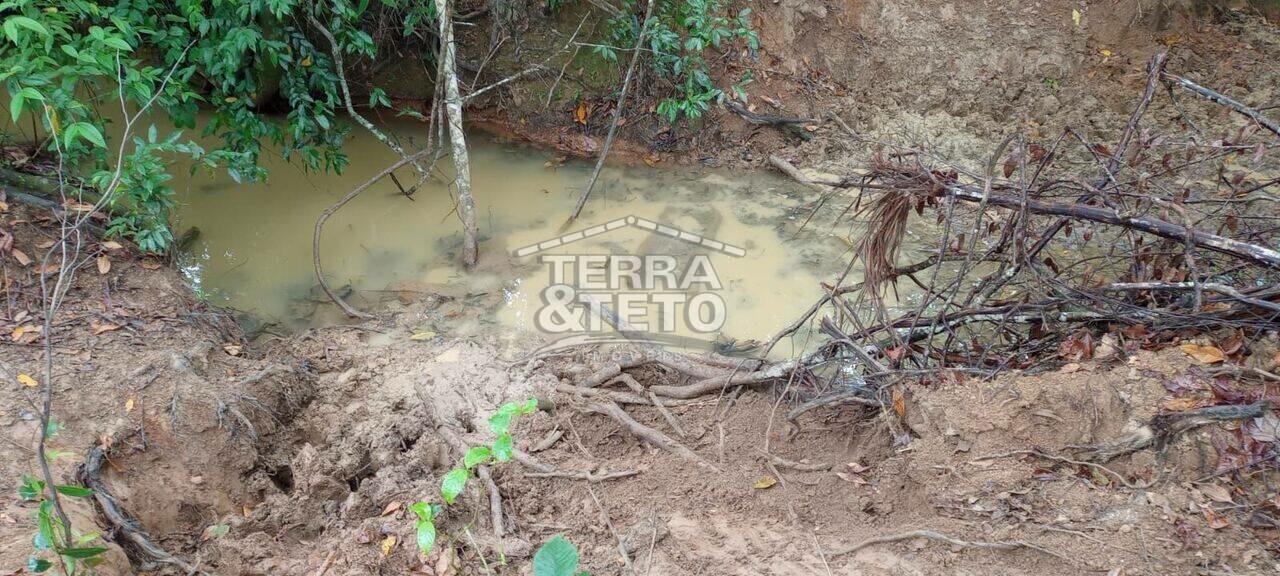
column 455, row 482
column 50, row 531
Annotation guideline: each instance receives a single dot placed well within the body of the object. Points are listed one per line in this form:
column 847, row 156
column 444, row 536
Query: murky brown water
column 254, row 248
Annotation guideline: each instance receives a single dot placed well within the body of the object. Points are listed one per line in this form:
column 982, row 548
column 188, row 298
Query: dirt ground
column 299, row 454
column 308, row 449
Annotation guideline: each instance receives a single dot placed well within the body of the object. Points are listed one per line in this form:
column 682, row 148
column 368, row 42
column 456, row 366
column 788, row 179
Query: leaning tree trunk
column 453, row 109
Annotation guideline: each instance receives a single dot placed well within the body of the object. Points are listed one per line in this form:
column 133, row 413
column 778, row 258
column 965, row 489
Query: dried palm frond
column 886, row 225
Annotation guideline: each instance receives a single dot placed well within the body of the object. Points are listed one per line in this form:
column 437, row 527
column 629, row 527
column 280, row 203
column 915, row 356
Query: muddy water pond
column 733, row 234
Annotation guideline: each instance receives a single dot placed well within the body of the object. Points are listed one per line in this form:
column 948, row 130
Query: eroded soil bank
column 299, row 454
column 308, row 449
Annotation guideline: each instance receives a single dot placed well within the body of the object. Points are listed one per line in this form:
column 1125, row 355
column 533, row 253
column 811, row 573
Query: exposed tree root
column 122, row 528
column 613, row 410
column 799, row 466
column 939, row 537
column 542, row 470
column 671, row 419
column 1166, row 428
column 1038, row 454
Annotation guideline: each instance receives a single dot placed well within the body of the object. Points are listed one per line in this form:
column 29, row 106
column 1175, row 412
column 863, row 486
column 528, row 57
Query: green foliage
column 454, row 482
column 50, row 536
column 680, row 34
column 143, row 191
column 557, row 557
column 64, row 62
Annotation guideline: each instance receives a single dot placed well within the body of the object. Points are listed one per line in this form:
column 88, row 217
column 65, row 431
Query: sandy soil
column 308, row 448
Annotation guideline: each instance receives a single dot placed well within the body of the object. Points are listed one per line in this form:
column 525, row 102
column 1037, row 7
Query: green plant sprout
column 455, row 481
column 75, row 553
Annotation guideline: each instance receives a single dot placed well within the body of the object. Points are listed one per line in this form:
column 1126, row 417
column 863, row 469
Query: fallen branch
column 324, row 217
column 617, row 113
column 936, row 536
column 456, row 441
column 1210, row 286
column 336, row 52
column 1219, row 98
column 1243, row 250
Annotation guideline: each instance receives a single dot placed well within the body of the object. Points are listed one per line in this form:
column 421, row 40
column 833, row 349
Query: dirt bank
column 299, row 454
column 948, row 76
column 288, row 454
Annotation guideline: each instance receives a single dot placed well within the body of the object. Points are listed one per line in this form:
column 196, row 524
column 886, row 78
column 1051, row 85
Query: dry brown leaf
column 1215, row 520
column 27, row 380
column 23, row 330
column 765, row 482
column 853, row 478
column 21, row 257
column 447, row 563
column 1204, row 354
column 581, row 112
column 1217, row 493
column 44, row 244
column 1184, row 403
column 104, row 264
column 233, row 349
column 128, row 405
column 899, row 404
column 100, row 327
column 1070, row 368
column 390, row 509
column 149, row 263
column 387, row 545
column 112, row 245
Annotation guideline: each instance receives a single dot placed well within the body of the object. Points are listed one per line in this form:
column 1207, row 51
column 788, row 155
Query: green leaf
column 40, row 541
column 426, row 536
column 15, row 106
column 75, row 491
column 423, row 510
column 87, row 131
column 503, row 448
column 38, row 565
column 453, row 484
column 477, row 455
column 31, row 488
column 12, row 24
column 118, row 44
column 81, row 553
column 558, row 557
column 500, row 421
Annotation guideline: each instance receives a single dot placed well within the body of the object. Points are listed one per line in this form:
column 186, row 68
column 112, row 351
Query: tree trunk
column 453, row 110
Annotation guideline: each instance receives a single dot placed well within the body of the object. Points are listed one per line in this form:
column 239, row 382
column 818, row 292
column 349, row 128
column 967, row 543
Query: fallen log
column 1164, row 229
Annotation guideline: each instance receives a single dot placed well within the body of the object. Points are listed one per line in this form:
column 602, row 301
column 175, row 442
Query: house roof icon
column 634, row 222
